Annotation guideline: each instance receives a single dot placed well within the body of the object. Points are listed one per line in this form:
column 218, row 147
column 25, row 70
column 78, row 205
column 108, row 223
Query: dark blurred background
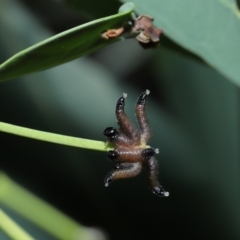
column 193, row 111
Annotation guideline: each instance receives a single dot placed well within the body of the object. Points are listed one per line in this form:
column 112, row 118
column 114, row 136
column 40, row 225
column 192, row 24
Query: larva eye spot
column 116, row 166
column 111, row 133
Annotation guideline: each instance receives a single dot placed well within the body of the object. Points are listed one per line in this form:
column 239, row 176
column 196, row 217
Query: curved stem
column 55, row 138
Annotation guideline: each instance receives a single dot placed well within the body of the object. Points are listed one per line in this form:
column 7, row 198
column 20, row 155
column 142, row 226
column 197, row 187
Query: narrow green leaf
column 209, row 28
column 11, row 228
column 39, row 212
column 64, row 47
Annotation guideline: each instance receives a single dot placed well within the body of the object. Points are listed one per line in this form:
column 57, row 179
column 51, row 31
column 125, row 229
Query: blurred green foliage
column 208, row 28
column 192, row 108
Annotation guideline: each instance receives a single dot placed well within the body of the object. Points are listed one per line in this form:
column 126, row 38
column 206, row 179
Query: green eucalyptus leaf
column 208, row 28
column 64, row 47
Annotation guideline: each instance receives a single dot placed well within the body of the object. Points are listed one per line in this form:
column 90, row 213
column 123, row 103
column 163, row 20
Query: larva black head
column 111, row 133
column 121, row 103
column 147, row 153
column 143, row 98
column 112, row 155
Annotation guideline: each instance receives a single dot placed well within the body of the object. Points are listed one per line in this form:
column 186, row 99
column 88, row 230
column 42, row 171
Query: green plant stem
column 12, row 229
column 55, row 138
column 40, row 213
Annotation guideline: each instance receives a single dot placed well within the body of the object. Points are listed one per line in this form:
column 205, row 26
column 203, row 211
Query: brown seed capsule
column 113, row 33
column 147, row 32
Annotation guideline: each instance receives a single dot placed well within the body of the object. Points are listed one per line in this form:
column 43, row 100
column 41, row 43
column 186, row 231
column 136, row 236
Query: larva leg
column 124, row 170
column 124, row 122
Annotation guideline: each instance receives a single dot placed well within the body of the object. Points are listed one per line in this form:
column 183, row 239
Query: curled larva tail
column 152, row 166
